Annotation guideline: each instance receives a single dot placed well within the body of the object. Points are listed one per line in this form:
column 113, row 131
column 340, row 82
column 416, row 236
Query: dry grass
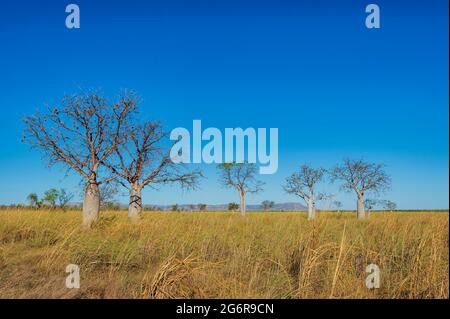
column 222, row 255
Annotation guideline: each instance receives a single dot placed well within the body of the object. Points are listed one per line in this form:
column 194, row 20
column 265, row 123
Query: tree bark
column 91, row 204
column 310, row 209
column 360, row 213
column 242, row 206
column 135, row 205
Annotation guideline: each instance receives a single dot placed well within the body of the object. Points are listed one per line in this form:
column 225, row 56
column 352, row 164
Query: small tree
column 50, row 197
column 111, row 206
column 241, row 177
column 64, row 198
column 369, row 205
column 81, row 133
column 141, row 160
column 175, row 208
column 267, row 204
column 389, row 205
column 34, row 201
column 108, row 192
column 303, row 184
column 361, row 177
column 233, row 207
column 201, row 207
column 337, row 205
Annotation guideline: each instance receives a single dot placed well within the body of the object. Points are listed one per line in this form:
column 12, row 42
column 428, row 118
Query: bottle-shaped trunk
column 360, row 213
column 242, row 206
column 135, row 205
column 311, row 209
column 91, row 204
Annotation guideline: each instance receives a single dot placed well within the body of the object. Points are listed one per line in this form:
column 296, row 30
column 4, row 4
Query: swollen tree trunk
column 91, row 204
column 242, row 206
column 310, row 208
column 360, row 213
column 135, row 205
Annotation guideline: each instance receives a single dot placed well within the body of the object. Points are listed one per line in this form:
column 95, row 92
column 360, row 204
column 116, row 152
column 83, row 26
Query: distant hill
column 290, row 206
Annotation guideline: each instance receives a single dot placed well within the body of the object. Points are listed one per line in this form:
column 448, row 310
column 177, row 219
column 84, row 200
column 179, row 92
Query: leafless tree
column 81, row 133
column 328, row 200
column 361, row 177
column 267, row 204
column 108, row 193
column 303, row 184
column 389, row 205
column 369, row 205
column 337, row 204
column 241, row 177
column 64, row 198
column 141, row 160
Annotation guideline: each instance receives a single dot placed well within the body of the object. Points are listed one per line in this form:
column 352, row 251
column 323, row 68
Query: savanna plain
column 224, row 255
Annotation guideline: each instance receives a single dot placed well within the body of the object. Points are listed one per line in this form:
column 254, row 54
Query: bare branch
column 240, row 176
column 303, row 183
column 361, row 177
column 141, row 159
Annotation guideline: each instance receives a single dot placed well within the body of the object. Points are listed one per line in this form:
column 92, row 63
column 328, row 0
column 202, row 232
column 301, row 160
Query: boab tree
column 303, row 184
column 369, row 205
column 107, row 193
column 389, row 205
column 241, row 177
column 81, row 133
column 141, row 160
column 267, row 204
column 361, row 177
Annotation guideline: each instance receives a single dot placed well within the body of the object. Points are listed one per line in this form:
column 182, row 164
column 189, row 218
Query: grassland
column 224, row 255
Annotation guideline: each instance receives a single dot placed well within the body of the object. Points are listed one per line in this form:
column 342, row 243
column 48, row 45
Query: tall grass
column 224, row 255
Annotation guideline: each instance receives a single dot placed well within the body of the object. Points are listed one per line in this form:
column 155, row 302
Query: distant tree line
column 52, row 198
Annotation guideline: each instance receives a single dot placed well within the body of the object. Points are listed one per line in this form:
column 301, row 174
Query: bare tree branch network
column 82, row 133
column 241, row 177
column 361, row 177
column 303, row 184
column 141, row 159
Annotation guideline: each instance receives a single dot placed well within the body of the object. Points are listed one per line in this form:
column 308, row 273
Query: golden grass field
column 224, row 255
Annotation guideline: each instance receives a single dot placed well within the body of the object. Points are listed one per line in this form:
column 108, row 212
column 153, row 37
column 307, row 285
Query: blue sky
column 312, row 69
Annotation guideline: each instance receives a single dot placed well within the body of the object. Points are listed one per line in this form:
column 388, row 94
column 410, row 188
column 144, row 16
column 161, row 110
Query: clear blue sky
column 333, row 88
